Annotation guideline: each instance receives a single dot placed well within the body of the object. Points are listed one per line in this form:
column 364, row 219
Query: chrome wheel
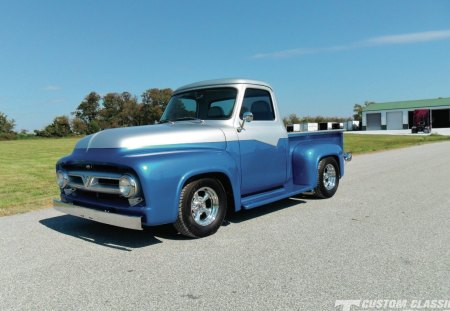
column 329, row 177
column 204, row 206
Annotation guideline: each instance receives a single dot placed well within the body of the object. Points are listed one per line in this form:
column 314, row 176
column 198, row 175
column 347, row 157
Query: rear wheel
column 327, row 179
column 202, row 208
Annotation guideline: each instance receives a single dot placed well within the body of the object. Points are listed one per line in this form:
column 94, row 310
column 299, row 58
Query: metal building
column 399, row 115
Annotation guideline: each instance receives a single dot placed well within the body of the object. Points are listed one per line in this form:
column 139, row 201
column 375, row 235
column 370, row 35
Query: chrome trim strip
column 124, row 221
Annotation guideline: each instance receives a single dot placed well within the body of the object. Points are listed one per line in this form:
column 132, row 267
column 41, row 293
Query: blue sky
column 321, row 57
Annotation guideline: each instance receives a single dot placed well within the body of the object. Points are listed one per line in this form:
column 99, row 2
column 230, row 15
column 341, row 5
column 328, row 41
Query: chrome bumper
column 124, row 221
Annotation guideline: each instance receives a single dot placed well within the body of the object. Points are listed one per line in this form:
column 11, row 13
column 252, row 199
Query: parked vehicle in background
column 421, row 121
column 220, row 145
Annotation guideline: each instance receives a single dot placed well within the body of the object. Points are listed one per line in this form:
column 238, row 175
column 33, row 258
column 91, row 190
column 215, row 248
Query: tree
column 291, row 119
column 130, row 114
column 59, row 128
column 79, row 127
column 294, row 119
column 87, row 113
column 110, row 114
column 89, row 108
column 357, row 110
column 119, row 110
column 6, row 125
column 154, row 101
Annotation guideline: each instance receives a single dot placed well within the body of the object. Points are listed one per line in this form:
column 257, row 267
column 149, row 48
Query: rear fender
column 305, row 161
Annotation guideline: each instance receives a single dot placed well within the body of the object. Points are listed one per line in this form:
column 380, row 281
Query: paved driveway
column 385, row 235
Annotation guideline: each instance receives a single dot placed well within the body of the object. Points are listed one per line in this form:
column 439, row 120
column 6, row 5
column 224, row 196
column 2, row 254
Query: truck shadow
column 245, row 215
column 110, row 236
column 127, row 240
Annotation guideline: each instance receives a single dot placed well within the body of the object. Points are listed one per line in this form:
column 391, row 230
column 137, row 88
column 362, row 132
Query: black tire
column 327, row 178
column 199, row 217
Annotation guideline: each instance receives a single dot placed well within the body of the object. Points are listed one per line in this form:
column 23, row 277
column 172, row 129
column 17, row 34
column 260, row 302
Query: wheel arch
column 224, row 179
column 306, row 158
column 336, row 158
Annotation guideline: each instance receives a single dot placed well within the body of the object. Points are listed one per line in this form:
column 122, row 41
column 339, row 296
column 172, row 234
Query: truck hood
column 152, row 136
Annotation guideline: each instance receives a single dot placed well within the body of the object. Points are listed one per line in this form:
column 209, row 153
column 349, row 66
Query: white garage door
column 373, row 121
column 394, row 120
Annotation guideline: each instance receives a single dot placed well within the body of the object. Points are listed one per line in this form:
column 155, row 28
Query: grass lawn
column 27, row 173
column 362, row 143
column 27, row 167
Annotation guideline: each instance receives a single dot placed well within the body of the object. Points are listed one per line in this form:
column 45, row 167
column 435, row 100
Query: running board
column 271, row 196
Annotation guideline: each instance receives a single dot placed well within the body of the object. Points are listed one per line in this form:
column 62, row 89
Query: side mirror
column 247, row 117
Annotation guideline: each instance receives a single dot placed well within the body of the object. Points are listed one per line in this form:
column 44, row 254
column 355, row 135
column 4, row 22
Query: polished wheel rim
column 204, row 206
column 329, row 177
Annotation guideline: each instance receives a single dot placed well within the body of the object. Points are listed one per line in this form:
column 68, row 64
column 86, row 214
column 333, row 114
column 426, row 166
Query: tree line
column 294, row 119
column 96, row 113
column 357, row 116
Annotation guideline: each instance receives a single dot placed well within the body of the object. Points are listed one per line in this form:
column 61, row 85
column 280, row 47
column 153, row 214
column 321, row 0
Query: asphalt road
column 384, row 235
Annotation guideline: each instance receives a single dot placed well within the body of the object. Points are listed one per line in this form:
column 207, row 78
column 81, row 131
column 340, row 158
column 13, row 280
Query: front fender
column 305, row 161
column 163, row 178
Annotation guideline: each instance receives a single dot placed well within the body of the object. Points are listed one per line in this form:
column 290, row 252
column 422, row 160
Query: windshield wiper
column 165, row 121
column 188, row 119
column 181, row 119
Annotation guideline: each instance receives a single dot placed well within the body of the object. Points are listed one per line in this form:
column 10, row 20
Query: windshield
column 205, row 104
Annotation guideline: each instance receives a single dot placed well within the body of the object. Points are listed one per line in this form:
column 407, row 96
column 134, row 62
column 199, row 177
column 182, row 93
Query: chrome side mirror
column 247, row 117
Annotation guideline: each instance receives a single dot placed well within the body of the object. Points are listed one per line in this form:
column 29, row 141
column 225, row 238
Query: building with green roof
column 399, row 115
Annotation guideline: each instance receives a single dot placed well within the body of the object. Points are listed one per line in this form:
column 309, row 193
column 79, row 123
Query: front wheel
column 202, row 208
column 327, row 179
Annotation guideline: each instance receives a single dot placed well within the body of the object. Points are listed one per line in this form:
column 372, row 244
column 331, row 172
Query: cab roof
column 221, row 82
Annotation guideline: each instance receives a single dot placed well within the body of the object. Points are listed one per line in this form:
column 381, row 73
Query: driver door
column 263, row 145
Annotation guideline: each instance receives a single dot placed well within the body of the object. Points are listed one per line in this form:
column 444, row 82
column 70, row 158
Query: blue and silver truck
column 220, row 146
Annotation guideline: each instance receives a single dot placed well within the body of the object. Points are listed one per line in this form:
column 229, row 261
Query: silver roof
column 208, row 83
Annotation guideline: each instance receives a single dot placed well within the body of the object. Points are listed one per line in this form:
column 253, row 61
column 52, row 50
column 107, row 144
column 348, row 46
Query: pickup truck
column 220, row 146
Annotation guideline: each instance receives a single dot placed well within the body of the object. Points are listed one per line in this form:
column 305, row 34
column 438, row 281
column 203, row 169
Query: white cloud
column 285, row 53
column 301, row 51
column 407, row 38
column 410, row 38
column 52, row 88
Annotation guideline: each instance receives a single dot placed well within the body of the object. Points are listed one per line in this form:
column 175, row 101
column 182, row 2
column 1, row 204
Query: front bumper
column 124, row 221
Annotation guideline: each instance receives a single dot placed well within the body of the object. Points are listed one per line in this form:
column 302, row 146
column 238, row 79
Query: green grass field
column 27, row 167
column 363, row 143
column 27, row 173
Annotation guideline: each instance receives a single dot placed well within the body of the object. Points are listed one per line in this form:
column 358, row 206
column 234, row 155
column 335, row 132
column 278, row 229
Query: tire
column 199, row 217
column 327, row 178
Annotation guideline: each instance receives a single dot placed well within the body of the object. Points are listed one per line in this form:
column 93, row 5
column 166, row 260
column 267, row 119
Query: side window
column 258, row 102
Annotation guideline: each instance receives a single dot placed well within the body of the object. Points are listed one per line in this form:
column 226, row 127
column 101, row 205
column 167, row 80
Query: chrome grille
column 102, row 182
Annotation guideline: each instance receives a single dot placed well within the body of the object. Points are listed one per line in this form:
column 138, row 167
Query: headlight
column 128, row 186
column 62, row 179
